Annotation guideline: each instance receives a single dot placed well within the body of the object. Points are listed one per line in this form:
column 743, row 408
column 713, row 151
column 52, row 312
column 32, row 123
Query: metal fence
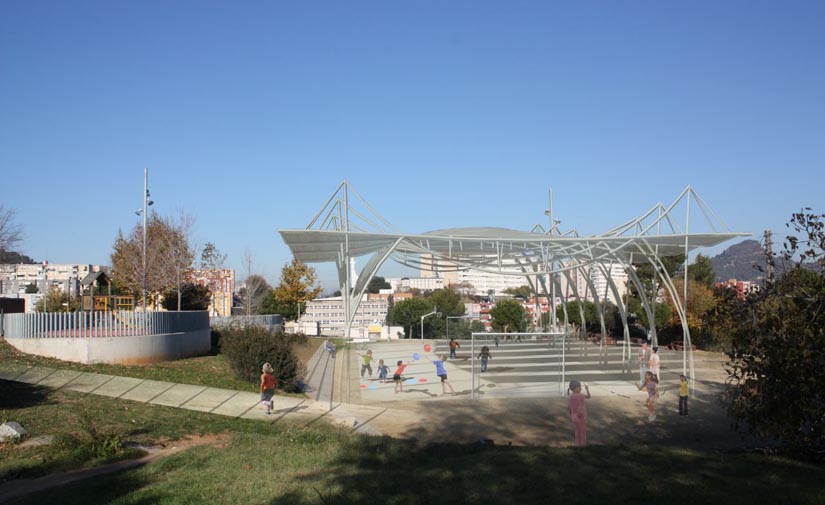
column 273, row 321
column 101, row 324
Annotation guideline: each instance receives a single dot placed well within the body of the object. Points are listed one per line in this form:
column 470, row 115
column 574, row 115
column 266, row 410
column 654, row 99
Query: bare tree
column 256, row 288
column 10, row 232
column 178, row 249
column 167, row 252
column 212, row 261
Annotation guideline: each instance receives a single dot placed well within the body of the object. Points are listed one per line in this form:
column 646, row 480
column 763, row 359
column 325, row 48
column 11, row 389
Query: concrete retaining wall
column 127, row 350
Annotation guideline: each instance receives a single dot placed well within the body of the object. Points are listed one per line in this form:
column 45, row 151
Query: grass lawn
column 283, row 464
column 213, row 371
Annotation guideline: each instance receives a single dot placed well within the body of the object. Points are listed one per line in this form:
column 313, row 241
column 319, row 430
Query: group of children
column 383, row 371
column 578, row 409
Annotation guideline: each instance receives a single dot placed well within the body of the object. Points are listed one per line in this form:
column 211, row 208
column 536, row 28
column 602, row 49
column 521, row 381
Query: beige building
column 221, row 283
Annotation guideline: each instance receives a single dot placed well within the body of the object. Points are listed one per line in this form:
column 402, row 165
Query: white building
column 476, row 282
column 329, row 312
column 599, row 275
column 401, row 284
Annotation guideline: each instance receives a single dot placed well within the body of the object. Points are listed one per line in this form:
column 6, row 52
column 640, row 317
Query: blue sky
column 442, row 114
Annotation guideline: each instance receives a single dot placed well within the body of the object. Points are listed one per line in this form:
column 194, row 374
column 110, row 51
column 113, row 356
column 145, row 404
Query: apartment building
column 221, row 283
column 475, row 282
column 405, row 284
column 330, row 311
column 15, row 278
column 599, row 276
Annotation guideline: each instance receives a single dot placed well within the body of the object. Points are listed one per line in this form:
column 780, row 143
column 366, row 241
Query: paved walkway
column 241, row 404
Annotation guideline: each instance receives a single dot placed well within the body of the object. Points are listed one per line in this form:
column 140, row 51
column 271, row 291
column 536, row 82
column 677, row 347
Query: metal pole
column 563, row 361
column 472, row 366
column 145, row 191
column 685, row 341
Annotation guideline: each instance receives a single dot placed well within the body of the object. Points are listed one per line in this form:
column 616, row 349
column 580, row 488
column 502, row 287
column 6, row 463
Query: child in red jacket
column 268, row 383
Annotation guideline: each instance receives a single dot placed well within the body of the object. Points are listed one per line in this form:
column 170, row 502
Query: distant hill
column 13, row 258
column 738, row 262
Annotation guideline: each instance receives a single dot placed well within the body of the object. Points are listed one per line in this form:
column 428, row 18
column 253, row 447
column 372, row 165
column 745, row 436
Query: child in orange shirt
column 399, row 386
column 268, row 383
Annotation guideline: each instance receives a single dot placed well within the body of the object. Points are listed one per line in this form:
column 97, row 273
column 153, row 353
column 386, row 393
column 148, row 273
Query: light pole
column 433, row 313
column 554, row 229
column 147, row 202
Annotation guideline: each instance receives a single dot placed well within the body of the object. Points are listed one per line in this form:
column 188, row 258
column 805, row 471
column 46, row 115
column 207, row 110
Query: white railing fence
column 274, row 321
column 101, row 324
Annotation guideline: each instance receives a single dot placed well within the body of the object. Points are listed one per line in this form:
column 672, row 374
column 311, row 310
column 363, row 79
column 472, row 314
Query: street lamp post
column 147, row 202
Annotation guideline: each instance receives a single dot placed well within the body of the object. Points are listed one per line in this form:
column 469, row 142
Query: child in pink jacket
column 578, row 411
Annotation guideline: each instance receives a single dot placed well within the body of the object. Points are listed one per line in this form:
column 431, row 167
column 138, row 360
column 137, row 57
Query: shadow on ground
column 377, row 470
column 18, row 395
column 98, row 491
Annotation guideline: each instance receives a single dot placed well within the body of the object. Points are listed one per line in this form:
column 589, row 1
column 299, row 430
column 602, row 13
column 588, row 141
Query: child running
column 651, row 385
column 365, row 366
column 382, row 371
column 268, row 383
column 484, row 355
column 578, row 411
column 399, row 386
column 442, row 373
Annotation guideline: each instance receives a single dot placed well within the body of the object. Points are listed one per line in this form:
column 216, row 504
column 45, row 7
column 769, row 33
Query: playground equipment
column 92, row 302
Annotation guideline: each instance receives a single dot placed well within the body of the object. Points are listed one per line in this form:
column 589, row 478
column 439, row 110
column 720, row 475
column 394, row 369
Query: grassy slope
column 211, row 371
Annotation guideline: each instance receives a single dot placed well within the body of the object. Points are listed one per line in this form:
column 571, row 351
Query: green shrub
column 215, row 340
column 248, row 347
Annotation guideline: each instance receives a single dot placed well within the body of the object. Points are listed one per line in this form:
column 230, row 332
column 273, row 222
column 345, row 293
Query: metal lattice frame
column 343, row 230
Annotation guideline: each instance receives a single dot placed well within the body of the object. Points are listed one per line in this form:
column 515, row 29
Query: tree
column 407, row 313
column 297, row 284
column 520, row 292
column 507, row 316
column 10, row 232
column 255, row 294
column 57, row 301
column 191, row 296
column 179, row 252
column 167, row 251
column 701, row 271
column 726, row 318
column 211, row 257
column 591, row 315
column 778, row 346
column 661, row 313
column 376, row 284
column 447, row 302
column 31, row 288
column 651, row 283
column 15, row 258
column 699, row 300
column 211, row 264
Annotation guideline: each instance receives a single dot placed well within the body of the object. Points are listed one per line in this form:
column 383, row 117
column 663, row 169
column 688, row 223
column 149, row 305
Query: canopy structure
column 345, row 229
